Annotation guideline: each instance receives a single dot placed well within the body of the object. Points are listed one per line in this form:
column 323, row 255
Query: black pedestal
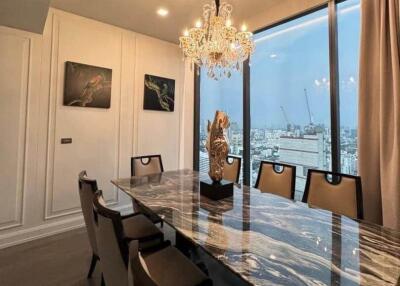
column 216, row 191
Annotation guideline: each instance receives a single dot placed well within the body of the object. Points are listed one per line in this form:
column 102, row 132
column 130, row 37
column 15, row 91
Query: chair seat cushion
column 169, row 267
column 140, row 227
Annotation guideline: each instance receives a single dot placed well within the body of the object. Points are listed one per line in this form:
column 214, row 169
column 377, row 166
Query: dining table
column 265, row 239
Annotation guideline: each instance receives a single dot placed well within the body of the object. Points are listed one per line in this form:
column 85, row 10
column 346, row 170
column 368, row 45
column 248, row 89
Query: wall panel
column 14, row 68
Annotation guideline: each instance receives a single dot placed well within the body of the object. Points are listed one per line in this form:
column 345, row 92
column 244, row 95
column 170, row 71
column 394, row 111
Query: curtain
column 379, row 111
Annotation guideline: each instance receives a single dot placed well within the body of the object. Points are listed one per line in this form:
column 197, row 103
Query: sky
column 288, row 59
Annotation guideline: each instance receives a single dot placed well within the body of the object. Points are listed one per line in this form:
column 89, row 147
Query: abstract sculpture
column 217, row 145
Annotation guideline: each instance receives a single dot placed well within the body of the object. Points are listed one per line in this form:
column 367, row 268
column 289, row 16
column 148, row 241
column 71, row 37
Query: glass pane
column 348, row 18
column 226, row 94
column 290, row 104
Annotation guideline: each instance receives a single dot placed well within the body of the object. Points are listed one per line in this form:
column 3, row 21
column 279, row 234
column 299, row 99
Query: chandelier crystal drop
column 215, row 44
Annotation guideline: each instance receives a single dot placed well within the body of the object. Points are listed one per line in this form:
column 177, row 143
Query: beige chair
column 279, row 182
column 87, row 189
column 143, row 166
column 165, row 267
column 113, row 238
column 146, row 165
column 232, row 168
column 341, row 194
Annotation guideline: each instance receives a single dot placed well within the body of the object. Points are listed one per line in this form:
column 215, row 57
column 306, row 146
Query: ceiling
column 140, row 15
column 28, row 15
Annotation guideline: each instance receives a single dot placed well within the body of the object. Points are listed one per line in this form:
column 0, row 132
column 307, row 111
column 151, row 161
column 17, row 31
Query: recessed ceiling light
column 162, row 12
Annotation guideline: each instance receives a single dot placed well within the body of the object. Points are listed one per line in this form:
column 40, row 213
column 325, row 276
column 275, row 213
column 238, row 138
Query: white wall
column 38, row 175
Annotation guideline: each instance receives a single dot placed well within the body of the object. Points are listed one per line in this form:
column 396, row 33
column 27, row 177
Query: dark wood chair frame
column 240, row 164
column 149, row 157
column 123, row 241
column 93, row 184
column 274, row 165
column 359, row 198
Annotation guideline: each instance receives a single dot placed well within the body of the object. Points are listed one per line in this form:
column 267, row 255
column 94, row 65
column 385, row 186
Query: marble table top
column 269, row 240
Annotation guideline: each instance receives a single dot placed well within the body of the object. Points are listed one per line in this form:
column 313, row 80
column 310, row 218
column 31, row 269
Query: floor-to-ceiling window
column 224, row 95
column 289, row 96
column 294, row 113
column 348, row 23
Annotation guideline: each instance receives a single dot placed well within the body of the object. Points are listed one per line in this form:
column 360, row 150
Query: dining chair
column 277, row 178
column 146, row 165
column 87, row 189
column 113, row 237
column 142, row 166
column 232, row 168
column 165, row 267
column 336, row 192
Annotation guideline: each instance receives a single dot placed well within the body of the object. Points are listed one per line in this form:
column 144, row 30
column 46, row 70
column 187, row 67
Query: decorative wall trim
column 23, row 133
column 44, row 230
column 50, row 213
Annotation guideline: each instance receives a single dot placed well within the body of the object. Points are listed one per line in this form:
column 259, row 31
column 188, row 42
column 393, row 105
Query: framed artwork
column 87, row 86
column 159, row 93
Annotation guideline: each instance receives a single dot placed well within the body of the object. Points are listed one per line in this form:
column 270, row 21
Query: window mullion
column 334, row 87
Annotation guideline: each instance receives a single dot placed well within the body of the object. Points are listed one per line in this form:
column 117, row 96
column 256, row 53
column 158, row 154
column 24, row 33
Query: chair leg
column 102, row 280
column 92, row 265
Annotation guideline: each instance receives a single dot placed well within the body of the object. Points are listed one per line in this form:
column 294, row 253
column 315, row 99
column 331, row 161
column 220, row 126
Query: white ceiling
column 140, row 15
column 29, row 15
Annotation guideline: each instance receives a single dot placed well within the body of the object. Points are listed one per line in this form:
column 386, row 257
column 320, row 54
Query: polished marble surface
column 269, row 240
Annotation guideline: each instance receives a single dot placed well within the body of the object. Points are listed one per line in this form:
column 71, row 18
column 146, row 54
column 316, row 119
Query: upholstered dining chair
column 165, row 267
column 87, row 189
column 113, row 237
column 142, row 166
column 336, row 192
column 232, row 168
column 146, row 165
column 277, row 178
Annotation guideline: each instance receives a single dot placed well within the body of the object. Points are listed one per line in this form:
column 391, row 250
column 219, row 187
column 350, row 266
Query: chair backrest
column 113, row 250
column 145, row 165
column 137, row 270
column 232, row 168
column 279, row 182
column 342, row 194
column 87, row 189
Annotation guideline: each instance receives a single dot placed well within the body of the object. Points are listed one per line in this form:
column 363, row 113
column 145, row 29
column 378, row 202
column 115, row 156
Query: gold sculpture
column 217, row 145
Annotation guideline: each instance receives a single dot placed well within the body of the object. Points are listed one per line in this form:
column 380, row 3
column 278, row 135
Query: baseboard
column 46, row 229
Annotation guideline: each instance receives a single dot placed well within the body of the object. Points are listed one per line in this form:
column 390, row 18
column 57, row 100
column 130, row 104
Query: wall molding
column 45, row 230
column 55, row 71
column 18, row 219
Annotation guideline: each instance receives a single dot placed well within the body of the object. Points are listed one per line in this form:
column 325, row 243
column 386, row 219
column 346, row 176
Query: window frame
column 333, row 91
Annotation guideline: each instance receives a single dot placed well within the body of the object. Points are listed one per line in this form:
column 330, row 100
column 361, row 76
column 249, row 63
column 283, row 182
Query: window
column 348, row 22
column 296, row 115
column 225, row 95
column 289, row 96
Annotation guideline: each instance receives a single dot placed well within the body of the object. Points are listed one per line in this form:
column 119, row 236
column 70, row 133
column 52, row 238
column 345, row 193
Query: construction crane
column 288, row 125
column 310, row 128
column 308, row 107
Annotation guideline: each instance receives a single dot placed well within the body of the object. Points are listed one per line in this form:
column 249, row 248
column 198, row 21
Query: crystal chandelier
column 215, row 44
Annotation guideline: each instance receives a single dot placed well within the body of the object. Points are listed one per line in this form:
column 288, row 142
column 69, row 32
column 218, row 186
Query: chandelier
column 215, row 44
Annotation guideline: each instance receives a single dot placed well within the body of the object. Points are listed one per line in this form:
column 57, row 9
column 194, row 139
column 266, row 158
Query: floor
column 62, row 259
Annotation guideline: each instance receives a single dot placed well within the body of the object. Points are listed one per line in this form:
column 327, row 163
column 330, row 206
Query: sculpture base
column 216, row 191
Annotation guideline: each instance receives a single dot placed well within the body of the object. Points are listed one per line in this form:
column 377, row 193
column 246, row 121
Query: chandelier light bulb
column 186, row 32
column 228, row 23
column 243, row 28
column 198, row 24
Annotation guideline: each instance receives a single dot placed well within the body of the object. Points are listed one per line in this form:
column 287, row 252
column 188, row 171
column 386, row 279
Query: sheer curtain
column 379, row 111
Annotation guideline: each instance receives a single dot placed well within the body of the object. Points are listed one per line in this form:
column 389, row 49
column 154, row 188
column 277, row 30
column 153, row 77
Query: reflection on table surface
column 269, row 240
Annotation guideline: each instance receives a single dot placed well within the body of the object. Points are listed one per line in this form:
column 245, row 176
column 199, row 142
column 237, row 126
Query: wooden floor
column 64, row 259
column 57, row 260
